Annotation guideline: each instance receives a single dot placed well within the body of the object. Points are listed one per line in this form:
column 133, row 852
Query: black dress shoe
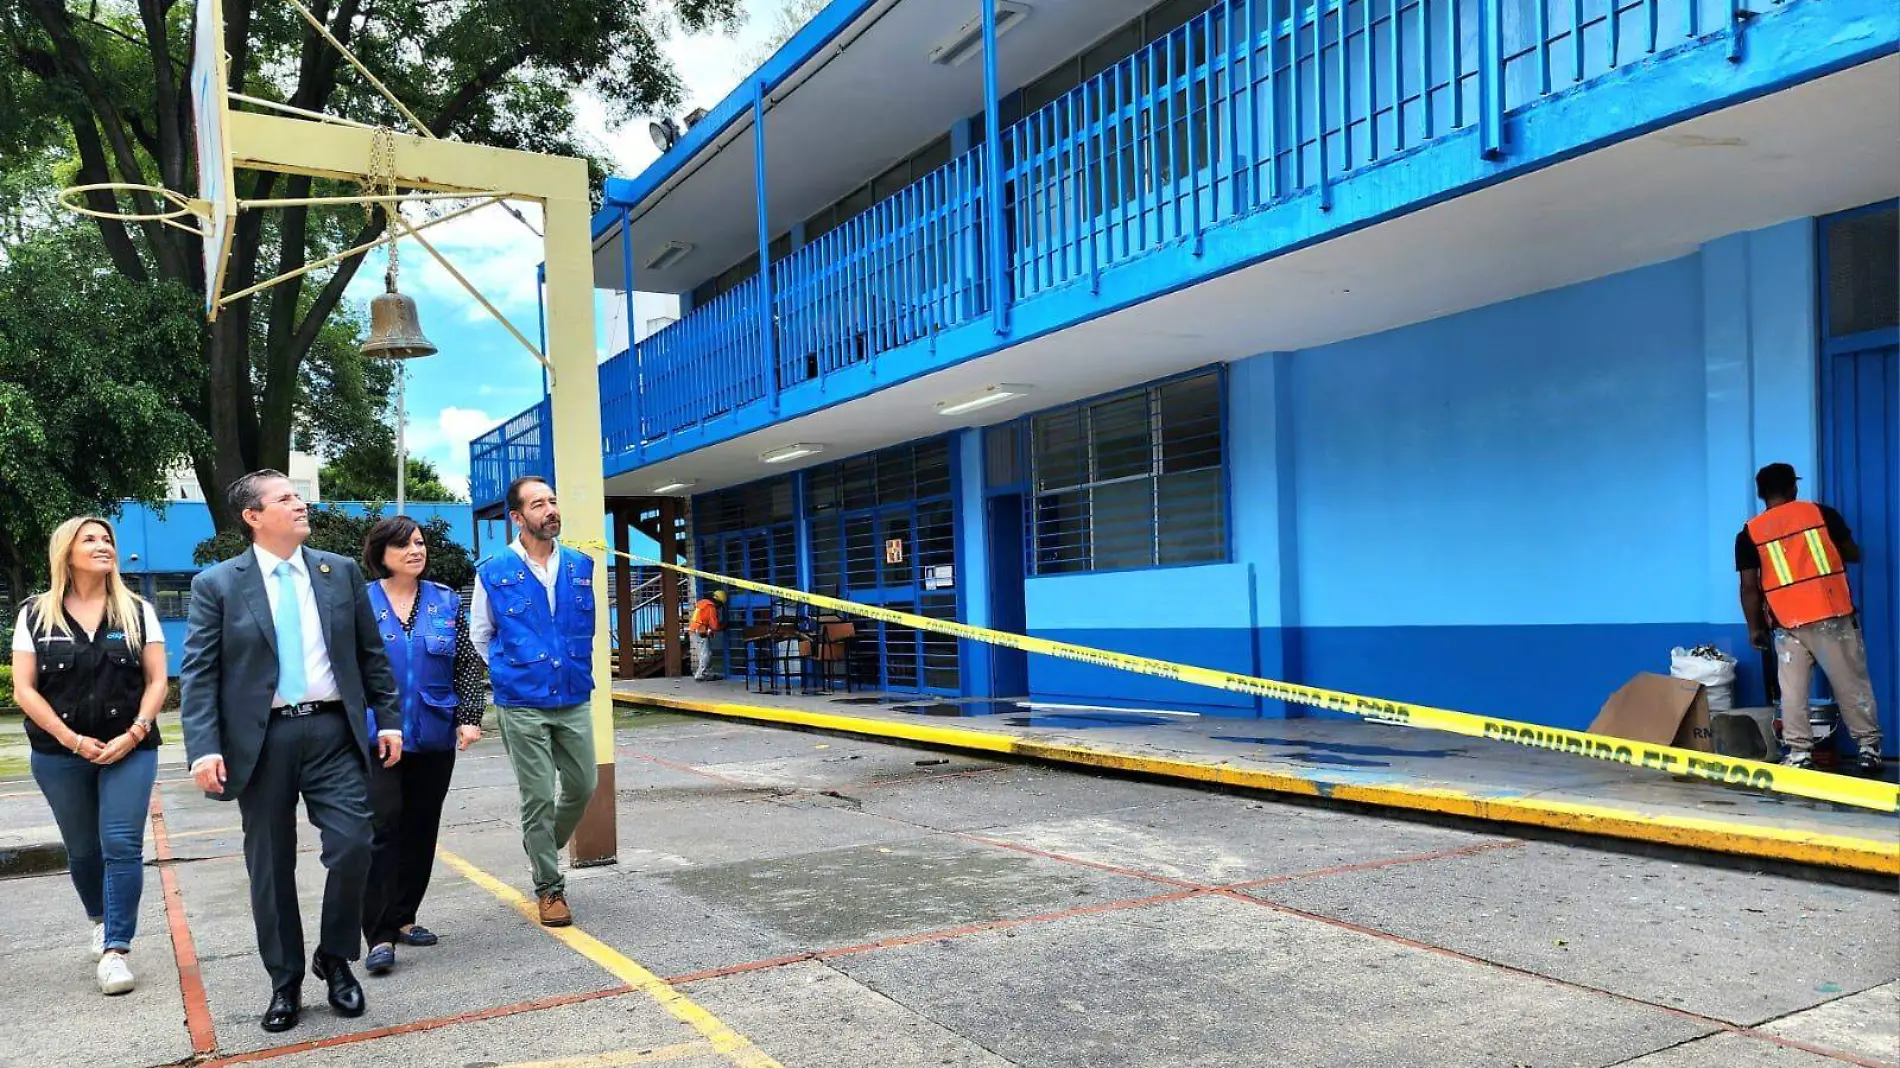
column 346, row 994
column 285, row 1007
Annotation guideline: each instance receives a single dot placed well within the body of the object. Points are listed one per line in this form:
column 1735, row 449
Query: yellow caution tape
column 1731, row 771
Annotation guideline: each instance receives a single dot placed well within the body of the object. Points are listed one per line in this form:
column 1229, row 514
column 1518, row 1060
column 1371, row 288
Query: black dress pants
column 318, row 759
column 406, row 806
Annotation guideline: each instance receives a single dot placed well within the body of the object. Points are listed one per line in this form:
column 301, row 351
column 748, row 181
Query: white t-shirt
column 23, row 637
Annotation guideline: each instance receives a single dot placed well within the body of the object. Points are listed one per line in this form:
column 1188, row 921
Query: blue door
column 1860, row 461
column 1860, row 426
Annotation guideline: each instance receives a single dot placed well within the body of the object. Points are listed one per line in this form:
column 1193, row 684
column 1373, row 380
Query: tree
column 792, row 15
column 367, row 472
column 336, row 531
column 110, row 85
column 90, row 366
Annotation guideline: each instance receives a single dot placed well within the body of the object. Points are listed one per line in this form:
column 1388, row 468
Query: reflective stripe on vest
column 1802, row 572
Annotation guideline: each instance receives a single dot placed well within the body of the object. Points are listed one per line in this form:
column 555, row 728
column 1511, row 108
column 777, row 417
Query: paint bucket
column 1823, row 718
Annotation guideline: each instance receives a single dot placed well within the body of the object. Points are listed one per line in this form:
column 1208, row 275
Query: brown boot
column 554, row 910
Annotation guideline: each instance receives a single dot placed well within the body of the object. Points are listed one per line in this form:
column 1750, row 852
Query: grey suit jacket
column 228, row 675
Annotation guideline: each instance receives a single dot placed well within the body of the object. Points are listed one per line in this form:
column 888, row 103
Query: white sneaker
column 115, row 974
column 98, row 940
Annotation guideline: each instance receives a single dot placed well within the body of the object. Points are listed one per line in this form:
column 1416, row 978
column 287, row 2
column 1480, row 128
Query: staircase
column 648, row 650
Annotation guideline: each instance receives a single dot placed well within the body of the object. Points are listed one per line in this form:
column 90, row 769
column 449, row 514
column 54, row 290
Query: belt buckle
column 297, row 711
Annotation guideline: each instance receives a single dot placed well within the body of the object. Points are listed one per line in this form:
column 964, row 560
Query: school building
column 1418, row 348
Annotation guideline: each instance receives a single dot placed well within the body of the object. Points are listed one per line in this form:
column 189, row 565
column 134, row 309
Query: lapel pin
column 325, row 568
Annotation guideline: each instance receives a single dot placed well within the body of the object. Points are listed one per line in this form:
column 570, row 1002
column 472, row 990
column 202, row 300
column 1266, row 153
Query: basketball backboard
column 217, row 185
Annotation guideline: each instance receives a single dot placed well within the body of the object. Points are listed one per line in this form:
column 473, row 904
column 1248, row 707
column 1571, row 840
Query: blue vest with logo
column 423, row 660
column 538, row 659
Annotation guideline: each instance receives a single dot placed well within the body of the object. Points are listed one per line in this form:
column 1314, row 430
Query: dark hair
column 395, row 530
column 247, row 495
column 1776, row 480
column 515, row 487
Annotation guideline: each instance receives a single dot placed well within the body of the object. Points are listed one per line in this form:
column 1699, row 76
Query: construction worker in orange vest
column 1792, row 558
column 704, row 624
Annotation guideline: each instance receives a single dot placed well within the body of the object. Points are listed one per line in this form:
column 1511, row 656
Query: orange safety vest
column 705, row 618
column 1801, row 569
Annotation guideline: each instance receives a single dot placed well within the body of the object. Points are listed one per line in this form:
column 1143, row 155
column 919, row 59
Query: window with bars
column 171, row 595
column 1133, row 480
column 748, row 532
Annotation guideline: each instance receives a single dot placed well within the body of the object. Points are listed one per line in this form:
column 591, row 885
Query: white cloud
column 444, row 440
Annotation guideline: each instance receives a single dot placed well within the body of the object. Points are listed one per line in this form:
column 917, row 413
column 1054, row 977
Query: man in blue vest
column 532, row 619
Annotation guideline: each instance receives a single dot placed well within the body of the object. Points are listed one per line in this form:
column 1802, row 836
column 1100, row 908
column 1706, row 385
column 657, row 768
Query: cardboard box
column 1659, row 710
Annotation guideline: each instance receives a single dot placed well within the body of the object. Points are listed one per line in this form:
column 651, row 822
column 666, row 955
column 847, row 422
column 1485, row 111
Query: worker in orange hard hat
column 704, row 624
column 1792, row 558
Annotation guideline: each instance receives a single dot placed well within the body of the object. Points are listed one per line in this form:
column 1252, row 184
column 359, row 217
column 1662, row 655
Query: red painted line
column 1375, row 865
column 688, row 768
column 204, row 1037
column 418, row 1026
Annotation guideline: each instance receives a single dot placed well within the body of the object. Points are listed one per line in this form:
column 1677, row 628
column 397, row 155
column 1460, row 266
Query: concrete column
column 973, row 559
column 1262, row 504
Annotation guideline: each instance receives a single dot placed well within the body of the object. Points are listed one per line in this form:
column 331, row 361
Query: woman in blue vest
column 440, row 678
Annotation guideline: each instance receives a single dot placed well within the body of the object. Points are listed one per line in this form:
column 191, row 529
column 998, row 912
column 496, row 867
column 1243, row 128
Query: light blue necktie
column 289, row 620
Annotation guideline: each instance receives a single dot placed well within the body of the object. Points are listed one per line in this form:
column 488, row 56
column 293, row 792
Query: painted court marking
column 204, row 1038
column 620, row 1059
column 724, row 1040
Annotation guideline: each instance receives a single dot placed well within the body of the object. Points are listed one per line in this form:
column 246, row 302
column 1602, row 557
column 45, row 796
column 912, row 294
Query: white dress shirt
column 481, row 622
column 319, row 677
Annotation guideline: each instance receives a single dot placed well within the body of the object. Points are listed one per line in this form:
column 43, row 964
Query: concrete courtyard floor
column 784, row 898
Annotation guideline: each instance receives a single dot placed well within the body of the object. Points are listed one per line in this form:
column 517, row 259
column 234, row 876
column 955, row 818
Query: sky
column 482, row 375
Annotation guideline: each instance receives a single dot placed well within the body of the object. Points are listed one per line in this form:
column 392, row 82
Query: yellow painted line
column 620, row 1059
column 730, row 1044
column 1772, row 843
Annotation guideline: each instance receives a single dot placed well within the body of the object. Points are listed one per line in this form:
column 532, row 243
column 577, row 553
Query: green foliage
column 6, row 685
column 94, row 369
column 95, row 93
column 333, row 530
column 367, row 472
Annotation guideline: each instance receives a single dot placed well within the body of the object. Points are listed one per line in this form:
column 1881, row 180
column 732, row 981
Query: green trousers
column 552, row 750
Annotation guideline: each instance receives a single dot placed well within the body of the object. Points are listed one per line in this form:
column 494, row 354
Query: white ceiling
column 875, row 102
column 1825, row 146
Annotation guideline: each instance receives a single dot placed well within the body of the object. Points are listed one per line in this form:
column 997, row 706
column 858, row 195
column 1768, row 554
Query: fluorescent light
column 669, row 254
column 675, row 486
column 967, row 42
column 996, row 394
column 789, row 453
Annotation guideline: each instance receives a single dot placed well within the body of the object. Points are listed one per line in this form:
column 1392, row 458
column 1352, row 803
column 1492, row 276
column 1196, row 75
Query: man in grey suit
column 283, row 672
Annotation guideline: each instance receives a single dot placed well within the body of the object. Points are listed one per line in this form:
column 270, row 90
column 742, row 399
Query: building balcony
column 1252, row 130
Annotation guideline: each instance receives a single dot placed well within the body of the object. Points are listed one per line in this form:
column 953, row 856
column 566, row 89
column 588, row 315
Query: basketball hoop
column 184, row 205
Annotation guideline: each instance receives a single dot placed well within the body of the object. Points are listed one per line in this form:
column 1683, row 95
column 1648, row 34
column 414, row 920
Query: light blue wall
column 1508, row 511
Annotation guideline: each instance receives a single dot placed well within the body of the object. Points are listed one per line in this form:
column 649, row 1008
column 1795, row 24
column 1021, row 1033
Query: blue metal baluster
column 1271, row 156
column 1576, row 39
column 1543, row 46
column 1616, row 31
column 1098, row 181
column 633, row 356
column 1453, row 13
column 993, row 171
column 1491, row 77
column 1651, row 24
column 1319, row 101
column 1343, row 36
column 1369, row 22
column 1296, row 117
column 1176, row 126
column 1397, row 39
column 768, row 327
column 1077, row 185
column 1428, row 131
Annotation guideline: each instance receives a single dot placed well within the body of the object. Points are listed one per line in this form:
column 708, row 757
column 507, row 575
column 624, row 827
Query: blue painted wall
column 1508, row 511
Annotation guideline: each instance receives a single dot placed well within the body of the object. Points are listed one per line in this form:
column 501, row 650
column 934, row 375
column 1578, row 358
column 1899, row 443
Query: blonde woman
column 89, row 670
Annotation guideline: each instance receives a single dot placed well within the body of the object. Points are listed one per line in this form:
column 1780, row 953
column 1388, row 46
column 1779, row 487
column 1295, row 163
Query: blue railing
column 1245, row 106
column 523, row 445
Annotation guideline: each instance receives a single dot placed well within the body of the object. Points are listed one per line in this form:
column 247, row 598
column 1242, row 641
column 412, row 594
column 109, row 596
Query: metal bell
column 394, row 331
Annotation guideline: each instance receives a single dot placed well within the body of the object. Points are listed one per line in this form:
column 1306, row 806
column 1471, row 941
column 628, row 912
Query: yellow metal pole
column 574, row 401
column 295, row 146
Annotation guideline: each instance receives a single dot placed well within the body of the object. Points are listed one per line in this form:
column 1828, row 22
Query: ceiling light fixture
column 669, row 254
column 675, row 486
column 967, row 42
column 996, row 394
column 789, row 453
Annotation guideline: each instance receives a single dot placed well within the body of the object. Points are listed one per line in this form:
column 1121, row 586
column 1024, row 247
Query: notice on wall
column 940, row 577
column 894, row 551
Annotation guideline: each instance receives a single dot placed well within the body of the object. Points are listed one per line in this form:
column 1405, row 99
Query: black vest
column 94, row 682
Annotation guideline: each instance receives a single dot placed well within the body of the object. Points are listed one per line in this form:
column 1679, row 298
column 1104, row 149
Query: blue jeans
column 101, row 815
